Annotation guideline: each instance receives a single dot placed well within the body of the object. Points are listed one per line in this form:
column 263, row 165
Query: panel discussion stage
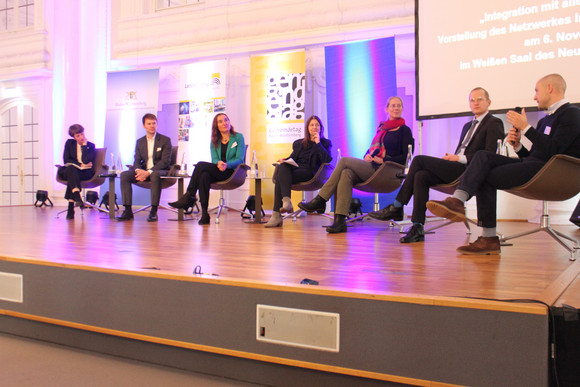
column 417, row 314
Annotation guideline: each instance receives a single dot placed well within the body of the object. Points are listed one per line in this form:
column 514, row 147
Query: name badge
column 548, row 130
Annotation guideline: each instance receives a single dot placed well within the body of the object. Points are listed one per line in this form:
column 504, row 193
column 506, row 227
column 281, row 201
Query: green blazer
column 235, row 154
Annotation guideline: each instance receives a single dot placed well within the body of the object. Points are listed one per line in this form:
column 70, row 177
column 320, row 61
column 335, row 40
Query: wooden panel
column 368, row 259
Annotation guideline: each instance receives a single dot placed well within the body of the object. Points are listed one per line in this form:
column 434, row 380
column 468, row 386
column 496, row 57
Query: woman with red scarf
column 390, row 143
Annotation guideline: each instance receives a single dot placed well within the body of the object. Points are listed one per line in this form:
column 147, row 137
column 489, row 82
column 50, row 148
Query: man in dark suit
column 152, row 160
column 557, row 133
column 426, row 171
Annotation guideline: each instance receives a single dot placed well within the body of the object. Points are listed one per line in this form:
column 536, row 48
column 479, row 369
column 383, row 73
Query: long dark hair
column 307, row 132
column 216, row 136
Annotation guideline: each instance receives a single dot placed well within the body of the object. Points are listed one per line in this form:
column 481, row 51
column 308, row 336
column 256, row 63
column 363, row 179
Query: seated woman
column 389, row 144
column 227, row 152
column 78, row 158
column 309, row 153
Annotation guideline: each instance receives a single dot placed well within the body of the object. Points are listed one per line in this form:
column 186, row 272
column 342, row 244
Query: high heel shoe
column 78, row 200
column 184, row 202
column 205, row 219
column 70, row 213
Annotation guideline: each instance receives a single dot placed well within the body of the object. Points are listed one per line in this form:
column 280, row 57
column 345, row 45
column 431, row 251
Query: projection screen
column 504, row 46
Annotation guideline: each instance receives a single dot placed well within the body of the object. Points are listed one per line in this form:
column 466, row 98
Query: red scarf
column 377, row 147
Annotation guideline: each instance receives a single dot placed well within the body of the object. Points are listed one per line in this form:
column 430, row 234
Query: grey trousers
column 348, row 172
column 128, row 179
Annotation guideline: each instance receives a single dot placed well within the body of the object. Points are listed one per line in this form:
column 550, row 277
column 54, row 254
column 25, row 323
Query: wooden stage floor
column 367, row 259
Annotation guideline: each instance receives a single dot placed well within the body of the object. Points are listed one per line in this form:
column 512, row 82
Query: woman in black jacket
column 78, row 158
column 307, row 156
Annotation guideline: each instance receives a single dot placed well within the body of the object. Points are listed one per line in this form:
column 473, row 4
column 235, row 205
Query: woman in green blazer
column 227, row 152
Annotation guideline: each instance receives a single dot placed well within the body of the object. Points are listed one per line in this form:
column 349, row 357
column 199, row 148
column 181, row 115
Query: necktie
column 468, row 135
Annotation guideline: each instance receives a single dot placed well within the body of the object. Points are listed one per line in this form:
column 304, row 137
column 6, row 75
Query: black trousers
column 128, row 179
column 424, row 173
column 286, row 175
column 487, row 172
column 73, row 177
column 203, row 175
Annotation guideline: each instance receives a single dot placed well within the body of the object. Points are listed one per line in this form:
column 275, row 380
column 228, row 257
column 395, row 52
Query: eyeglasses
column 480, row 99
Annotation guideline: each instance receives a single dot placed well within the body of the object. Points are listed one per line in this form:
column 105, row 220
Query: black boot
column 338, row 226
column 70, row 213
column 78, row 200
column 126, row 215
column 183, row 202
column 152, row 214
column 204, row 219
column 317, row 204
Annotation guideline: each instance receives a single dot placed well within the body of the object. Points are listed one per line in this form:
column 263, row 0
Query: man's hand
column 519, row 121
column 368, row 158
column 514, row 137
column 222, row 166
column 141, row 174
column 378, row 160
column 89, row 165
column 450, row 157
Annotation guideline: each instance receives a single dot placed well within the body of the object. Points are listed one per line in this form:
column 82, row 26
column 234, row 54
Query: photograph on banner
column 202, row 95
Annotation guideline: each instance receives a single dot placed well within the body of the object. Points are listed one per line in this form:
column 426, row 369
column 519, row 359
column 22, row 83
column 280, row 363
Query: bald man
column 556, row 133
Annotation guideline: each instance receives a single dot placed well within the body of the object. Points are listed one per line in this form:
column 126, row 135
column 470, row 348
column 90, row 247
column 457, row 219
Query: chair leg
column 142, row 209
column 545, row 226
column 466, row 223
column 96, row 207
column 294, row 215
column 221, row 206
column 147, row 207
column 60, row 212
column 168, row 208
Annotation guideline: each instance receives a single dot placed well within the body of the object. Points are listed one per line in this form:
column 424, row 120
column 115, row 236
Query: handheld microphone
column 518, row 110
column 376, row 152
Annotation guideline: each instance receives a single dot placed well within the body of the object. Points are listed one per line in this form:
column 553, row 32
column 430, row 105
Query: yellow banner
column 278, row 88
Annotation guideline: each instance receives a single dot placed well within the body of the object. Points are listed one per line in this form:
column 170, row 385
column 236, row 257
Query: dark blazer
column 161, row 153
column 70, row 152
column 313, row 156
column 485, row 137
column 563, row 137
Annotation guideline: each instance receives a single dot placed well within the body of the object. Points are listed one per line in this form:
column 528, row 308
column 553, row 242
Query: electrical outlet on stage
column 298, row 327
column 11, row 287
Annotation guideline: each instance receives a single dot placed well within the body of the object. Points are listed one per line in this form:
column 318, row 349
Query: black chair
column 235, row 181
column 313, row 184
column 165, row 182
column 100, row 169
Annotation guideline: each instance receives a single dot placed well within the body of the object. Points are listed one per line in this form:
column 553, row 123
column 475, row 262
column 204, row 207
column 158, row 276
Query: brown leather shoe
column 450, row 208
column 483, row 245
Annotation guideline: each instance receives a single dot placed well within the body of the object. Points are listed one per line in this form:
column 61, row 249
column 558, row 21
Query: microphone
column 376, row 152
